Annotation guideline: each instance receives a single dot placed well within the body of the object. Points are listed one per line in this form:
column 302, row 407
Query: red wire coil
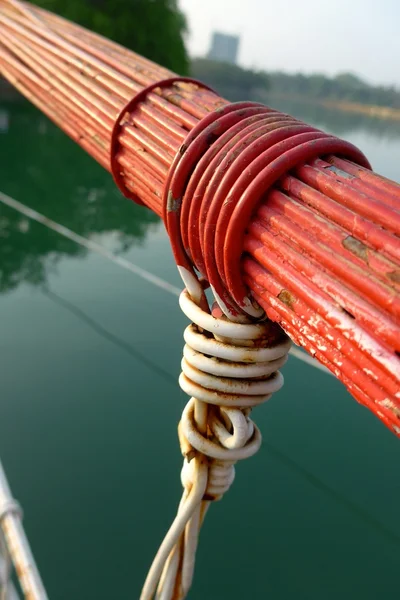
column 321, row 254
column 227, row 163
column 124, row 116
column 235, row 158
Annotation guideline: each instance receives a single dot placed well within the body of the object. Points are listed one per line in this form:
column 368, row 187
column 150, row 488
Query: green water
column 89, row 358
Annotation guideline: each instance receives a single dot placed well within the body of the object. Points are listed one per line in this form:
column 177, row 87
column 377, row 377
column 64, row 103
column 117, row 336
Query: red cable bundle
column 251, row 197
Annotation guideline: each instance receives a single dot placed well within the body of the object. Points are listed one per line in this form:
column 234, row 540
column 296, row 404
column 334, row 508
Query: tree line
column 155, row 29
column 236, row 83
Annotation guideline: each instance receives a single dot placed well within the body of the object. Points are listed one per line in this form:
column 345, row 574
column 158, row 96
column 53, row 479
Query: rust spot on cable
column 210, row 497
column 356, row 247
column 211, row 138
column 287, row 298
column 173, row 204
column 394, row 276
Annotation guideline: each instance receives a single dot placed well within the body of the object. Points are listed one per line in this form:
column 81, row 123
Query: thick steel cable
column 253, row 200
column 322, row 251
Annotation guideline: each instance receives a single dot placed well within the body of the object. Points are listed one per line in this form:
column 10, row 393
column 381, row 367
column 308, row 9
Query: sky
column 358, row 36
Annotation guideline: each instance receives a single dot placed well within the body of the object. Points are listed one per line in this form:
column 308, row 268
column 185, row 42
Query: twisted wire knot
column 221, row 475
column 227, row 369
column 231, row 373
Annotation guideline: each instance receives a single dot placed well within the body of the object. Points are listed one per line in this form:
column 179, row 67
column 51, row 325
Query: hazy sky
column 361, row 36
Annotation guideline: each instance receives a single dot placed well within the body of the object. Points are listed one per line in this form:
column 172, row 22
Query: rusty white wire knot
column 227, row 369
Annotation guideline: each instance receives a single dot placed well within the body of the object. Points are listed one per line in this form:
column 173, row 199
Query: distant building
column 224, row 47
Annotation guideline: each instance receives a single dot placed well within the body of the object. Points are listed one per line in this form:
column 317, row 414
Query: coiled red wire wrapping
column 125, row 114
column 255, row 146
column 230, row 159
column 322, row 251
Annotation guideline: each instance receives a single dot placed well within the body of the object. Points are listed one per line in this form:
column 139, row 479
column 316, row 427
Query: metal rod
column 17, row 543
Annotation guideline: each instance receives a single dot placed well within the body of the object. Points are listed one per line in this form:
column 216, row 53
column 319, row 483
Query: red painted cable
column 267, row 208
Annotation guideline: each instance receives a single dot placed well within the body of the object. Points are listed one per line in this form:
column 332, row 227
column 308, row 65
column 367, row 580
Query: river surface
column 89, row 360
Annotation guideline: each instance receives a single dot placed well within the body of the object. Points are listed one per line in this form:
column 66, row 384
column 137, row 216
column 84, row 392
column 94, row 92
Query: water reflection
column 107, row 335
column 338, row 498
column 336, row 121
column 43, row 168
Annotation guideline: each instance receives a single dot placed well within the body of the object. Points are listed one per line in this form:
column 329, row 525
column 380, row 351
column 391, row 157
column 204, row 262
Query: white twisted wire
column 5, row 568
column 227, row 369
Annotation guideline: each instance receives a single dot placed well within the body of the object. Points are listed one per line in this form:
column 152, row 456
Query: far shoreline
column 381, row 112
